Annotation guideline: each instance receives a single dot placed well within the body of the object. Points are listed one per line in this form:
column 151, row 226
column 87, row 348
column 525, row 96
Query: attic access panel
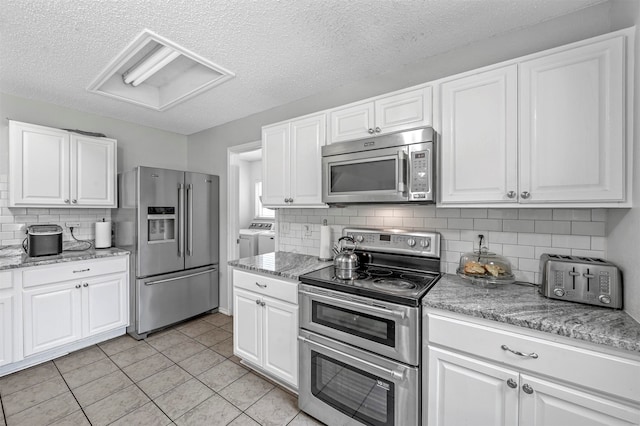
column 166, row 73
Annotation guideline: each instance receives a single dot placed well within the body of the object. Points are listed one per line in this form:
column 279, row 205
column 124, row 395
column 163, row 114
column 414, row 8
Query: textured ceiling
column 281, row 51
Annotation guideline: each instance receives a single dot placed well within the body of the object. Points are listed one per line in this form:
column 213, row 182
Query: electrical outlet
column 307, row 230
column 72, row 224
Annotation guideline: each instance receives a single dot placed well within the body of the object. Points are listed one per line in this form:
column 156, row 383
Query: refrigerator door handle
column 208, row 271
column 190, row 219
column 180, row 219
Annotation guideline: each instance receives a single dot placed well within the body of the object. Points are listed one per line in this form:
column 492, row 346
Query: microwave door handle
column 398, row 374
column 402, row 161
column 180, row 219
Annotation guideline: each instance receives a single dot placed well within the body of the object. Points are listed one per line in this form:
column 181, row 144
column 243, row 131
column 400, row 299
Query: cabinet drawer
column 72, row 270
column 599, row 371
column 261, row 284
column 5, row 280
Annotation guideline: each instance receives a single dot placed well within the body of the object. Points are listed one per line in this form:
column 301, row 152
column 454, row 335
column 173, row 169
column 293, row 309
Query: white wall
column 206, row 150
column 623, row 226
column 137, row 145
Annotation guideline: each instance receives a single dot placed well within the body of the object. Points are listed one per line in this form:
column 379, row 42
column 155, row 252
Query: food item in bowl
column 474, row 268
column 494, row 270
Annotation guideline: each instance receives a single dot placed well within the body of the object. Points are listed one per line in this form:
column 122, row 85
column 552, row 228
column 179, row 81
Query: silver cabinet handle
column 262, row 304
column 81, row 270
column 74, row 201
column 261, row 285
column 66, row 200
column 512, row 383
column 77, row 285
column 531, row 355
column 337, row 301
column 525, row 195
column 258, row 302
column 291, row 200
column 371, row 131
column 85, row 285
column 527, row 389
column 378, row 129
column 511, row 194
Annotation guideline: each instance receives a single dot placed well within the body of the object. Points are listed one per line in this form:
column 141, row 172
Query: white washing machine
column 266, row 242
column 249, row 238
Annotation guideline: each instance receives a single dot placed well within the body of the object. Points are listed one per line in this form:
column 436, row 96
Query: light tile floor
column 185, row 375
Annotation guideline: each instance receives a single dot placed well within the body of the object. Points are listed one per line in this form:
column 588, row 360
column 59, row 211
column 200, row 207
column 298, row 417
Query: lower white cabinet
column 480, row 375
column 265, row 328
column 6, row 327
column 67, row 302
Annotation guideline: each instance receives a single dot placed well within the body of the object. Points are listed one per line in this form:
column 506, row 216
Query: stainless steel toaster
column 581, row 279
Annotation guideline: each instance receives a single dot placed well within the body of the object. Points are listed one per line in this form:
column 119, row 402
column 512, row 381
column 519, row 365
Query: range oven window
column 380, row 330
column 356, row 393
column 364, row 176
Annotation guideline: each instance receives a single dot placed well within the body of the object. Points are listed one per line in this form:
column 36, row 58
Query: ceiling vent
column 157, row 73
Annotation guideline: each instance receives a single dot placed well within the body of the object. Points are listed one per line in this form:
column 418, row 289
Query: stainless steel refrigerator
column 169, row 221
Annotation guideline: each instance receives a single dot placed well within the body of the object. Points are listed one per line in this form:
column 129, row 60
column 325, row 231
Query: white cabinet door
column 403, row 111
column 275, row 165
column 52, row 316
column 247, row 326
column 551, row 404
column 572, row 134
column 307, row 139
column 280, row 340
column 39, row 165
column 465, row 391
column 352, row 122
column 105, row 304
column 6, row 328
column 480, row 138
column 93, row 171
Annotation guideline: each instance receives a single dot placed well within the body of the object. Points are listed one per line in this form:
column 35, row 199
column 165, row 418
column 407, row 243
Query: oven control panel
column 417, row 243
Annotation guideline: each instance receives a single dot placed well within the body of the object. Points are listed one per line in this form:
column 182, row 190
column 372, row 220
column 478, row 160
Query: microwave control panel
column 420, row 169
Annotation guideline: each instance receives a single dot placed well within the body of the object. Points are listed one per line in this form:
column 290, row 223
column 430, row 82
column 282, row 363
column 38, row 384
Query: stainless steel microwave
column 394, row 168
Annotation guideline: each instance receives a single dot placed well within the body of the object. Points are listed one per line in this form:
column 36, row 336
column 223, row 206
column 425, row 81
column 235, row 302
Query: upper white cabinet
column 572, row 136
column 384, row 114
column 291, row 153
column 479, row 137
column 565, row 147
column 55, row 168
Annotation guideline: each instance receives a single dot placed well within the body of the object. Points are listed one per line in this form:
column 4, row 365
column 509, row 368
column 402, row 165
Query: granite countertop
column 520, row 304
column 14, row 257
column 281, row 264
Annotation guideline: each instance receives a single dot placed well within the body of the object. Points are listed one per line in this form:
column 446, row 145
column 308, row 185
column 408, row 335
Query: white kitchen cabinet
column 480, row 137
column 385, row 114
column 572, row 134
column 6, row 327
column 475, row 376
column 65, row 303
column 291, row 160
column 55, row 168
column 546, row 130
column 265, row 330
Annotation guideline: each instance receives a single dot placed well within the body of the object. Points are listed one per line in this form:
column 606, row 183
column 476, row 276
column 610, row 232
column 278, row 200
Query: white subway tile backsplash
column 588, row 228
column 521, row 235
column 572, row 214
column 571, row 241
column 518, row 225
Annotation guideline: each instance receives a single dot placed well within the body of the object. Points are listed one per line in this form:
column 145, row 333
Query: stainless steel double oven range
column 360, row 339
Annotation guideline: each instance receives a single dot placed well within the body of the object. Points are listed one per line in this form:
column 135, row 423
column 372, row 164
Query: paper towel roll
column 325, row 243
column 103, row 235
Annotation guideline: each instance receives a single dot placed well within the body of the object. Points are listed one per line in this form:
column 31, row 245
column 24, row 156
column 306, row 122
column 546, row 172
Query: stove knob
column 558, row 292
column 604, row 299
column 411, row 242
column 359, row 238
column 425, row 243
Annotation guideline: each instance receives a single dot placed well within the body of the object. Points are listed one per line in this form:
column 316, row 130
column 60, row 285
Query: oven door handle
column 355, row 305
column 397, row 375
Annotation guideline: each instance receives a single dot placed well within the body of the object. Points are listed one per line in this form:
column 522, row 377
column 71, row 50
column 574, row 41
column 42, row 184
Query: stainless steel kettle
column 346, row 262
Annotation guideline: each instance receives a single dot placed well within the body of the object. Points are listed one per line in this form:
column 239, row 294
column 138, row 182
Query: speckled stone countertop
column 520, row 304
column 14, row 257
column 281, row 264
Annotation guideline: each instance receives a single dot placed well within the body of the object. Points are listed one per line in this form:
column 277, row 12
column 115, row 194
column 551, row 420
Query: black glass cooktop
column 403, row 286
